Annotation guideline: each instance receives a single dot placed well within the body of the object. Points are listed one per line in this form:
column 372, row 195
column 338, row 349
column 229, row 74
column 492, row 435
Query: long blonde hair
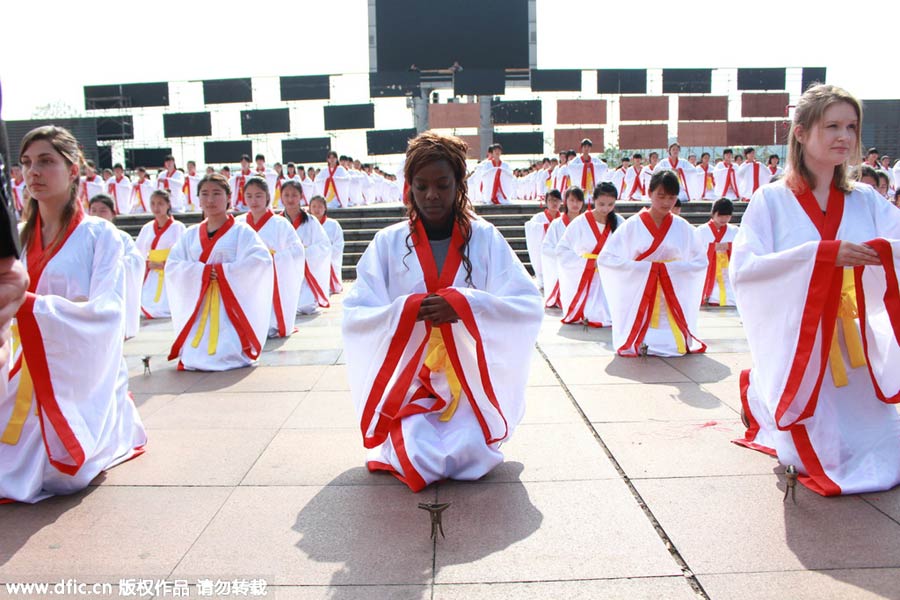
column 809, row 110
column 65, row 143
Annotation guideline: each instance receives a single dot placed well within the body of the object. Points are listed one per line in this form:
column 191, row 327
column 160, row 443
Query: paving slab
column 549, row 405
column 647, row 588
column 649, row 402
column 580, row 370
column 740, row 524
column 324, row 410
column 104, row 533
column 525, row 531
column 225, row 410
column 709, row 368
column 846, row 584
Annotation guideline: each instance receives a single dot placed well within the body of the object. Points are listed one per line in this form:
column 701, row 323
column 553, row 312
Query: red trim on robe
column 579, row 300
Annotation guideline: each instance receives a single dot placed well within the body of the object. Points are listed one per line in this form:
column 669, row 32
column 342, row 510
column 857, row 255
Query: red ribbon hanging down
column 276, row 294
column 718, row 235
column 329, row 183
column 553, row 299
column 497, row 187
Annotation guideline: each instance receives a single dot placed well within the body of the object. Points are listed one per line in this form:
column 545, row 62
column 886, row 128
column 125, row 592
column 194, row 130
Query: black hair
column 608, row 189
column 292, row 183
column 245, row 157
column 748, row 150
column 570, row 153
column 168, row 158
column 554, row 193
column 723, row 206
column 260, row 157
column 668, row 180
column 637, row 155
column 704, row 154
column 105, row 200
column 572, row 191
column 727, row 151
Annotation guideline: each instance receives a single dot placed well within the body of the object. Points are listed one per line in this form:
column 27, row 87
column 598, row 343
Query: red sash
column 730, row 182
column 707, row 178
column 657, row 278
column 36, row 356
column 576, row 308
column 320, row 296
column 497, row 188
column 239, row 181
column 681, row 177
column 388, row 419
column 549, row 220
column 186, row 190
column 636, row 185
column 276, row 294
column 718, row 235
column 584, row 171
column 157, row 235
column 165, row 180
column 772, row 169
column 755, row 175
column 250, row 345
column 336, row 285
column 20, row 206
column 553, row 300
column 140, row 194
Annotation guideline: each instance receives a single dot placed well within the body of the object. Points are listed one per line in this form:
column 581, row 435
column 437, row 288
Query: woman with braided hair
column 437, row 329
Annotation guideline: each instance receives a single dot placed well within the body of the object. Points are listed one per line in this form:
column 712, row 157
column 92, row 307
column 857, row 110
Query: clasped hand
column 437, row 310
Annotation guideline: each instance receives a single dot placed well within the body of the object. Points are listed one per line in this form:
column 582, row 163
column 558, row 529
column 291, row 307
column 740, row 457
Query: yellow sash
column 654, row 321
column 159, row 256
column 847, row 315
column 211, row 313
column 721, row 266
column 24, row 396
column 437, row 361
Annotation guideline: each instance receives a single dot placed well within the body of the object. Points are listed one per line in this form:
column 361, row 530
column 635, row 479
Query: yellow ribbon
column 159, row 256
column 24, row 396
column 847, row 315
column 210, row 312
column 721, row 265
column 437, row 360
column 654, row 321
column 589, row 256
column 277, row 198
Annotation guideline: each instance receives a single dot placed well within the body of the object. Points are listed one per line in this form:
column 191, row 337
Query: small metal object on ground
column 146, row 361
column 643, row 350
column 436, row 509
column 791, row 474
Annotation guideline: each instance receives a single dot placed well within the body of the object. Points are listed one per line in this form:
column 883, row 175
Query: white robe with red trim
column 152, row 308
column 706, row 236
column 549, row 267
column 745, row 177
column 189, row 191
column 506, row 312
column 120, row 192
column 336, row 236
column 140, row 197
column 578, row 240
column 499, row 177
column 290, row 262
column 689, row 179
column 726, row 181
column 174, row 183
column 79, row 309
column 244, row 263
column 778, row 253
column 334, row 188
column 535, row 230
column 317, row 249
column 635, row 189
column 133, row 260
column 92, row 187
column 582, row 176
column 626, row 281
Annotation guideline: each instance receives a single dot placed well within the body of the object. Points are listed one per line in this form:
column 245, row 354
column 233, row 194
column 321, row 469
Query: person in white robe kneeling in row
column 319, row 209
column 154, row 242
column 580, row 288
column 287, row 255
column 536, row 229
column 815, row 268
column 102, row 206
column 717, row 236
column 652, row 271
column 62, row 424
column 574, row 204
column 219, row 278
column 316, row 247
column 435, row 329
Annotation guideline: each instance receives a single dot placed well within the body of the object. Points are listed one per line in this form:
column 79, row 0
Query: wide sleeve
column 534, row 236
column 145, row 239
column 575, row 242
column 250, row 279
column 318, row 253
column 185, row 278
column 134, row 279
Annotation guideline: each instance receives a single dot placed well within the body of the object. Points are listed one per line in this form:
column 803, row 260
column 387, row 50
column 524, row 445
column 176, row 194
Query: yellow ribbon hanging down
column 847, row 315
column 24, row 396
column 437, row 360
column 721, row 267
column 654, row 321
column 210, row 312
column 159, row 256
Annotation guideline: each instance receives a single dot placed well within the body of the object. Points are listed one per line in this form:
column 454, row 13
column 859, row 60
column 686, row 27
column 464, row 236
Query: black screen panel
column 555, row 80
column 104, row 157
column 518, row 112
column 226, row 152
column 391, row 141
column 350, row 116
column 274, row 120
column 687, row 81
column 387, row 84
column 152, row 158
column 306, row 87
column 530, row 142
column 622, row 81
column 761, row 79
column 226, row 91
column 126, row 95
column 432, row 35
column 115, row 128
column 812, row 75
column 479, row 82
column 187, row 124
column 84, row 130
column 305, row 150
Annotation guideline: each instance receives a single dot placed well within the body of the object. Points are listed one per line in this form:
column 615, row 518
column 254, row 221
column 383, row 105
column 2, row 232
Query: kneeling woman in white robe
column 155, row 241
column 535, row 230
column 549, row 261
column 717, row 236
column 438, row 330
column 580, row 288
column 319, row 209
column 102, row 206
column 62, row 424
column 824, row 382
column 652, row 271
column 287, row 255
column 219, row 277
column 317, row 249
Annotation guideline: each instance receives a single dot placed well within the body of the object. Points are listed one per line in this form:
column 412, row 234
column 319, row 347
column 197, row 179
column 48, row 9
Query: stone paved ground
column 620, row 483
